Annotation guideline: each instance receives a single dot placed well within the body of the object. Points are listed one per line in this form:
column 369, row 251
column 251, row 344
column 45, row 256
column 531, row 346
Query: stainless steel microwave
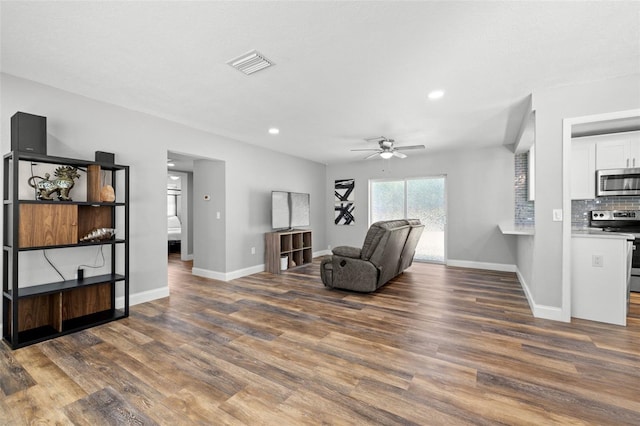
column 618, row 182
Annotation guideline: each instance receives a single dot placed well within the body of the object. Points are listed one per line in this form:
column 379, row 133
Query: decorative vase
column 107, row 194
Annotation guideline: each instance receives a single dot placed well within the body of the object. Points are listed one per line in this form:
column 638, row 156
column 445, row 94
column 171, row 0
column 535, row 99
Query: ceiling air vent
column 250, row 62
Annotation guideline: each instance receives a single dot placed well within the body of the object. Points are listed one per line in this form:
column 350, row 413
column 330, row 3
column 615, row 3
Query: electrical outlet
column 253, row 250
column 597, row 260
column 329, row 247
column 217, row 215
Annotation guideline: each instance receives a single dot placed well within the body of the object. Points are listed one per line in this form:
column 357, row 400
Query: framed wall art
column 344, row 201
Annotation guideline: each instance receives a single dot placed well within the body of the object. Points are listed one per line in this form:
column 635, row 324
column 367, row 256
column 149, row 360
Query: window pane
column 387, row 200
column 426, row 201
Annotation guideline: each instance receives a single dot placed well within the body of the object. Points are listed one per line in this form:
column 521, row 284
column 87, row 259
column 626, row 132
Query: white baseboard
column 527, row 292
column 548, row 312
column 186, row 258
column 502, row 267
column 244, row 272
column 143, row 296
column 227, row 276
column 206, row 273
column 539, row 311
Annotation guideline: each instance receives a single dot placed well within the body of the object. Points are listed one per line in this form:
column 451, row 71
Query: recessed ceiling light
column 436, row 94
column 173, row 177
column 171, row 164
column 274, row 131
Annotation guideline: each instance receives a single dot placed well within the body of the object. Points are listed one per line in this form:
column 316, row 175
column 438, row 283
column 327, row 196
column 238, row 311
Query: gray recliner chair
column 388, row 249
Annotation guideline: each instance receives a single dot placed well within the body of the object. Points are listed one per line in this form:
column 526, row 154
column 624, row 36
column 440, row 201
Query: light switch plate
column 557, row 215
column 597, row 260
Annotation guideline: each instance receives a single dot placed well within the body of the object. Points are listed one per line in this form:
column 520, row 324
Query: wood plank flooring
column 436, row 346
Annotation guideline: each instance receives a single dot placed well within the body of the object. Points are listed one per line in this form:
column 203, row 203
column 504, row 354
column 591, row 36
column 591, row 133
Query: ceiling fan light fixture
column 386, row 154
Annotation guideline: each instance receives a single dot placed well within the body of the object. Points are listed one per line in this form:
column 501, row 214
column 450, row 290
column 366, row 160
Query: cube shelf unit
column 33, row 313
column 295, row 244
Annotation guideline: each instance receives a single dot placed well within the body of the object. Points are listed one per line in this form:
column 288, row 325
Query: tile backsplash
column 524, row 209
column 580, row 208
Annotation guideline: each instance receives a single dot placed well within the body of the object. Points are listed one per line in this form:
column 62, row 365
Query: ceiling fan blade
column 367, row 149
column 399, row 154
column 375, row 139
column 410, row 147
column 372, row 155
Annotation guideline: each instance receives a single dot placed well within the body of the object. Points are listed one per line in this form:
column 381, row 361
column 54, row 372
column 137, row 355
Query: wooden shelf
column 65, row 285
column 33, row 313
column 46, row 332
column 76, row 203
column 50, row 159
column 295, row 244
column 91, row 320
column 83, row 244
column 46, row 225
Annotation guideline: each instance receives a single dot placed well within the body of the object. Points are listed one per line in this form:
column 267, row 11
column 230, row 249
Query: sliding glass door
column 419, row 198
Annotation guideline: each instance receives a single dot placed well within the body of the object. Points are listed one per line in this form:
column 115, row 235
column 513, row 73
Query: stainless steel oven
column 618, row 182
column 628, row 222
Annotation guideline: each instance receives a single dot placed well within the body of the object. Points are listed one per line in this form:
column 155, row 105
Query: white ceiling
column 344, row 70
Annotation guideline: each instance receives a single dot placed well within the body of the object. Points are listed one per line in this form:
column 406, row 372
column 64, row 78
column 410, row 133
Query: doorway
column 615, row 121
column 180, row 204
column 417, row 198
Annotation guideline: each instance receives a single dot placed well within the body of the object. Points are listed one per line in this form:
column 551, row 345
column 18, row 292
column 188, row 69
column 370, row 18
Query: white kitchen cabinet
column 600, row 277
column 617, row 150
column 583, row 169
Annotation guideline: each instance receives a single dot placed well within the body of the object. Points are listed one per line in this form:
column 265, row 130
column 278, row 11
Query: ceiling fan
column 387, row 150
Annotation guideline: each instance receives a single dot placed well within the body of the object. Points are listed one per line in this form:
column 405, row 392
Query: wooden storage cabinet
column 44, row 225
column 296, row 245
column 32, row 313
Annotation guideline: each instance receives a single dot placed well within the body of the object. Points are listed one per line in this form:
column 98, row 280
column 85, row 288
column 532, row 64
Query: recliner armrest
column 346, row 251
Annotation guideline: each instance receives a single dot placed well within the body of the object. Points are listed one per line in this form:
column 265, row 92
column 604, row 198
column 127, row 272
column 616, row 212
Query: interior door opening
column 417, row 198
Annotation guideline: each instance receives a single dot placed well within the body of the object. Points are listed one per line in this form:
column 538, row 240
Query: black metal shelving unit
column 19, row 327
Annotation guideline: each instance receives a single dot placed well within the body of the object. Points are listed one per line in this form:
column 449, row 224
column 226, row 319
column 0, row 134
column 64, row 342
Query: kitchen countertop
column 513, row 229
column 596, row 233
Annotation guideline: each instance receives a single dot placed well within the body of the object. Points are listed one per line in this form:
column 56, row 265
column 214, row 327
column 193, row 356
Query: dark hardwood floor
column 436, row 346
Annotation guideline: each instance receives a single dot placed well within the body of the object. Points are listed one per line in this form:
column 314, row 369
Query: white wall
column 186, row 253
column 479, row 196
column 78, row 126
column 552, row 106
column 209, row 240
